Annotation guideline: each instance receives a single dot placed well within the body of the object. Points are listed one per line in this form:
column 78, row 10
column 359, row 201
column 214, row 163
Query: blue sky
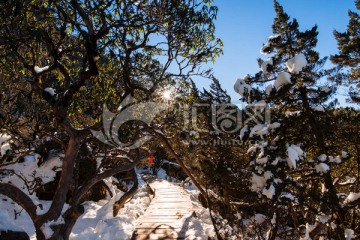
column 244, row 26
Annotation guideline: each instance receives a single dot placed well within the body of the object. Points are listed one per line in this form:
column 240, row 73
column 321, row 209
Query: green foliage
column 348, row 57
column 63, row 61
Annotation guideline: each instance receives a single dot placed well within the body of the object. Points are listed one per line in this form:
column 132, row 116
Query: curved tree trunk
column 129, row 194
column 62, row 189
column 75, row 211
column 64, row 183
column 25, row 202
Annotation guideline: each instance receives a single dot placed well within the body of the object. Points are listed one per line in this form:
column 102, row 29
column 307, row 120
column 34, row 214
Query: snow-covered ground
column 97, row 222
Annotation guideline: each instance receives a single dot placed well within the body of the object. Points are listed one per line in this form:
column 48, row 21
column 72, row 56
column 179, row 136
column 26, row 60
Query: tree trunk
column 129, row 194
column 75, row 211
column 65, row 182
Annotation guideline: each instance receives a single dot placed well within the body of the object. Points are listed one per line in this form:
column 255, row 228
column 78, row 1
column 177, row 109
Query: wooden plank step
column 167, row 210
column 167, row 205
column 158, row 225
column 161, row 221
column 171, row 207
column 149, row 234
column 165, row 199
column 141, row 230
column 155, row 237
column 178, row 214
column 164, row 216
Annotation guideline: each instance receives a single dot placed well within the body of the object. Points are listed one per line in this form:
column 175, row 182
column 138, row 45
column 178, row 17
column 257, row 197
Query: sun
column 167, row 95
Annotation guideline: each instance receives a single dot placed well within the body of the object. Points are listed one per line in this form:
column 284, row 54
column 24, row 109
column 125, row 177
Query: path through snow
column 171, row 215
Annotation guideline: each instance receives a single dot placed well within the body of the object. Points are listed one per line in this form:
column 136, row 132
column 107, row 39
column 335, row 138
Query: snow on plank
column 167, row 215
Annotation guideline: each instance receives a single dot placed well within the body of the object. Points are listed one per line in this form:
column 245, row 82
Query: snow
column 349, row 234
column 349, row 180
column 4, row 144
column 325, row 89
column 336, row 159
column 264, row 49
column 294, row 153
column 273, row 220
column 318, row 108
column 322, row 168
column 259, row 129
column 276, row 161
column 30, row 170
column 268, row 89
column 4, row 138
column 41, row 69
column 292, row 113
column 322, row 218
column 288, row 196
column 270, row 192
column 259, row 218
column 50, row 90
column 323, row 188
column 352, row 197
column 262, row 129
column 252, row 149
column 281, row 80
column 258, row 182
column 48, row 232
column 4, row 148
column 273, row 37
column 322, row 157
column 262, row 161
column 265, row 64
column 344, row 154
column 9, row 224
column 268, row 175
column 273, row 126
column 297, row 63
column 97, row 222
column 241, row 87
column 308, row 230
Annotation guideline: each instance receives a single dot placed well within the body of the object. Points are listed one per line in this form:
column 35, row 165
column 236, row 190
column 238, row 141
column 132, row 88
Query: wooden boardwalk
column 168, row 214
